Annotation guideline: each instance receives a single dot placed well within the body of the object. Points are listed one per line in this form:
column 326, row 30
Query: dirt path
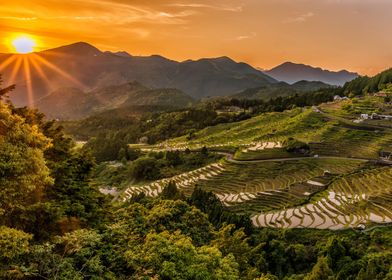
column 293, row 159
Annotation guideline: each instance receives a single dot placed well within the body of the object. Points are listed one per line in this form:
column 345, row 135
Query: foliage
column 13, row 243
column 173, row 256
column 364, row 85
column 320, row 271
column 154, row 165
column 55, row 225
column 23, row 173
column 171, row 192
column 144, row 168
column 293, row 145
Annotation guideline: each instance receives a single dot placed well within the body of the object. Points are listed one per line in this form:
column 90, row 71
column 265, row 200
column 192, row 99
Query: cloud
column 206, row 6
column 300, row 18
column 245, row 37
column 19, row 18
column 105, row 11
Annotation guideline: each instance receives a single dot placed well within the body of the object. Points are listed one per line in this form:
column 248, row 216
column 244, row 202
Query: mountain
column 65, row 103
column 86, row 68
column 120, row 53
column 292, row 72
column 362, row 85
column 73, row 103
column 280, row 89
column 309, row 85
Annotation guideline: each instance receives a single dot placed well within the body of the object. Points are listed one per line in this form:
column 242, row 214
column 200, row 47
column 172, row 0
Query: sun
column 23, row 44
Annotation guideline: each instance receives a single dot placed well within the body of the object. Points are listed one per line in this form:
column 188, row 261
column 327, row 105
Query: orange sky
column 332, row 34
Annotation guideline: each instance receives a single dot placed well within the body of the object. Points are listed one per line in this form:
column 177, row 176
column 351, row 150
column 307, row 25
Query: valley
column 195, row 140
column 331, row 178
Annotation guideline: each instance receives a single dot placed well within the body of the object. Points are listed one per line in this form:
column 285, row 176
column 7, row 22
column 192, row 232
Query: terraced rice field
column 352, row 200
column 327, row 136
column 294, row 194
column 352, row 142
column 282, row 194
column 317, row 192
column 263, row 150
column 303, row 124
column 232, row 179
column 183, row 181
column 254, row 177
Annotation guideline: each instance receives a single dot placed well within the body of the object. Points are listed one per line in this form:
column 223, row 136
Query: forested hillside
column 119, row 127
column 281, row 90
column 364, row 85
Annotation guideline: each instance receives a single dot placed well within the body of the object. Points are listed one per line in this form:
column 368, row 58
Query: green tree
column 24, row 175
column 320, row 271
column 171, row 192
column 14, row 245
column 144, row 168
column 173, row 256
column 71, row 201
column 235, row 242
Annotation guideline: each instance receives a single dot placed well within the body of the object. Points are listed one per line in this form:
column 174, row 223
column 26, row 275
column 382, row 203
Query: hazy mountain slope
column 280, row 89
column 66, row 103
column 292, row 72
column 166, row 97
column 217, row 77
column 71, row 103
column 83, row 66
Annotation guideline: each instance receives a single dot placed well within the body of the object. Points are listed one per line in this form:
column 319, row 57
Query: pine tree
column 320, row 271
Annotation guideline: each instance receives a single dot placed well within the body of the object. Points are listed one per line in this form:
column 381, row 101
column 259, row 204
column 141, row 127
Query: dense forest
column 363, row 85
column 55, row 225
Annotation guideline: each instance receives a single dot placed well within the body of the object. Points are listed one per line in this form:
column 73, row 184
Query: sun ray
column 7, row 62
column 40, row 71
column 58, row 70
column 29, row 86
column 16, row 69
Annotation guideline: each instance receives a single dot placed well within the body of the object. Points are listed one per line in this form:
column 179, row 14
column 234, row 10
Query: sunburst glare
column 24, row 44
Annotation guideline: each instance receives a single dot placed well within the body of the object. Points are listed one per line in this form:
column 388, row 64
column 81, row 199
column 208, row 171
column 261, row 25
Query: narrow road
column 230, row 158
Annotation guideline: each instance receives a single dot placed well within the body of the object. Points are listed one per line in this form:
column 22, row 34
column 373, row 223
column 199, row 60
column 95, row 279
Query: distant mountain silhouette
column 292, row 72
column 84, row 67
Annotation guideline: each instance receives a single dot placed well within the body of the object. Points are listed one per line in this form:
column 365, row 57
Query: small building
column 380, row 94
column 315, row 109
column 234, row 109
column 361, row 227
column 364, row 116
column 375, row 116
column 386, row 117
column 385, row 155
column 337, row 98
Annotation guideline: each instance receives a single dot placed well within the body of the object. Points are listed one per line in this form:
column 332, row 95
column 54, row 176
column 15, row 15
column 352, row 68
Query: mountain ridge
column 291, row 72
column 93, row 68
